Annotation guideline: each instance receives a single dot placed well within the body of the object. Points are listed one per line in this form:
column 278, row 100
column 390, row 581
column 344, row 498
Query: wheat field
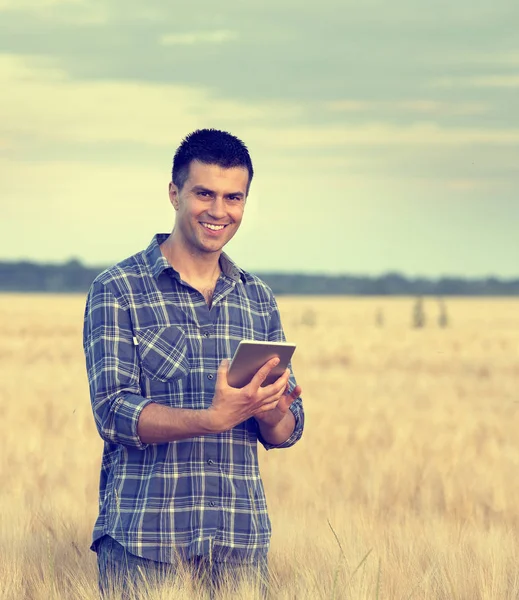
column 404, row 485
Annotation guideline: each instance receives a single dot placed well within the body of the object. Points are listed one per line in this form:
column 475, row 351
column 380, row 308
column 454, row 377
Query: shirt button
column 212, row 503
column 210, row 376
column 210, row 461
column 207, row 334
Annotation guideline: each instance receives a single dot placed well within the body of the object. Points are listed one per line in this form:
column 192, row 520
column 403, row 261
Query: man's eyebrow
column 201, row 188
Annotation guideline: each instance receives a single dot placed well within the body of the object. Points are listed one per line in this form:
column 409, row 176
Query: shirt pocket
column 162, row 351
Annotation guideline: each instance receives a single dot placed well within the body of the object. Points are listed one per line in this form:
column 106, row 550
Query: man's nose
column 217, row 208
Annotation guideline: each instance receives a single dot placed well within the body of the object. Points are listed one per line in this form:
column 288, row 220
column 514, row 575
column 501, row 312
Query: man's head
column 211, row 176
column 210, row 147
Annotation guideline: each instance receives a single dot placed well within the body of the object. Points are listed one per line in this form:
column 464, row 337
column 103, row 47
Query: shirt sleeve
column 112, row 368
column 276, row 334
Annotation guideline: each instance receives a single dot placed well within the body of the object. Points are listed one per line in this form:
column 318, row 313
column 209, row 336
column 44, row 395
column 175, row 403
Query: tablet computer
column 250, row 356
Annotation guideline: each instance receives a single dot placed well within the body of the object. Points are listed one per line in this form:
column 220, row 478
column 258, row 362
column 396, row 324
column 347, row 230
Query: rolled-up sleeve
column 112, row 367
column 276, row 334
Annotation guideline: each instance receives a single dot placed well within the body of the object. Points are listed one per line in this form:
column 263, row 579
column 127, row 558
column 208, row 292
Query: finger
column 288, row 398
column 278, row 386
column 268, row 406
column 271, row 399
column 262, row 373
column 284, row 403
column 221, row 374
column 275, row 398
column 295, row 393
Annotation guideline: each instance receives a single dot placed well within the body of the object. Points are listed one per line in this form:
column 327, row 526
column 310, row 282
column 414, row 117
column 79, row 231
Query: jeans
column 128, row 577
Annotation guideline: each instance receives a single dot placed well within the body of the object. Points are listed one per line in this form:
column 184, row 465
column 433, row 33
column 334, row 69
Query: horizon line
column 382, row 274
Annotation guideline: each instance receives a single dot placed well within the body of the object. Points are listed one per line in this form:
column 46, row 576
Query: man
column 180, row 484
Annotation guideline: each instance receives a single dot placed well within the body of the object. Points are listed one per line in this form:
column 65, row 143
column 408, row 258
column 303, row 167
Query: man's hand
column 273, row 417
column 232, row 406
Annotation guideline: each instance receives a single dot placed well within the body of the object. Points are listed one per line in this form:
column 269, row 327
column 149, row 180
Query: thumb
column 284, row 402
column 288, row 397
column 223, row 369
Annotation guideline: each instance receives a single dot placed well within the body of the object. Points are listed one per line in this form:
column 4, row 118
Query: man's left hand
column 274, row 416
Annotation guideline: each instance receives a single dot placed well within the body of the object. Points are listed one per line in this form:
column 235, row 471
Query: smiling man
column 180, row 484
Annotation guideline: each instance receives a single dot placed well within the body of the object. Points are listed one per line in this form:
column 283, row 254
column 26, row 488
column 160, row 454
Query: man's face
column 209, row 206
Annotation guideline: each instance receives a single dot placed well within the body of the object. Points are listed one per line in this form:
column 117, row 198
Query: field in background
column 405, row 484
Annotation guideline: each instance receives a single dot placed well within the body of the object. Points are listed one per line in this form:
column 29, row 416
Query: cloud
column 47, row 116
column 47, row 15
column 198, row 37
column 479, row 81
column 46, row 104
column 502, row 59
column 18, row 5
column 424, row 107
column 385, row 134
column 307, row 53
column 467, row 185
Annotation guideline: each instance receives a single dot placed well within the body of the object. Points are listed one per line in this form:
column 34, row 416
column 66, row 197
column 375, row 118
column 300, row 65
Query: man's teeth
column 213, row 227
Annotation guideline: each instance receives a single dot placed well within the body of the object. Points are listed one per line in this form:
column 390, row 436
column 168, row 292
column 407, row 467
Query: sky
column 384, row 135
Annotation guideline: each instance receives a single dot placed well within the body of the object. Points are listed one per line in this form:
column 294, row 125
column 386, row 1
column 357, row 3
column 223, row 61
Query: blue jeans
column 121, row 572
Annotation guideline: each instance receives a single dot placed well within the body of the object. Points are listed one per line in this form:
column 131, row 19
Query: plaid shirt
column 150, row 337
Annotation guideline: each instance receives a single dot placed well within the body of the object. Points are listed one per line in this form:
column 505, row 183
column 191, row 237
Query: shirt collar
column 158, row 263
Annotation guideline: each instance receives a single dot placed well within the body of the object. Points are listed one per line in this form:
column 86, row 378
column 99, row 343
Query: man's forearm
column 161, row 424
column 279, row 433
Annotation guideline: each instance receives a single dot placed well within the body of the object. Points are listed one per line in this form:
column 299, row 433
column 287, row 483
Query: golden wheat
column 404, row 484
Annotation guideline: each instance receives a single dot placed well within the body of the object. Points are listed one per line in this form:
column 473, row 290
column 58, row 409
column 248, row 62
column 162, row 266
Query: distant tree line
column 73, row 276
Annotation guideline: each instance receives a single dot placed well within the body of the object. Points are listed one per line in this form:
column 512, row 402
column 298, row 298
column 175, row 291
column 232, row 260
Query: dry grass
column 404, row 486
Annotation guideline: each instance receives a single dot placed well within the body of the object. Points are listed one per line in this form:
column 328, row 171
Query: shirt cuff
column 296, row 409
column 127, row 411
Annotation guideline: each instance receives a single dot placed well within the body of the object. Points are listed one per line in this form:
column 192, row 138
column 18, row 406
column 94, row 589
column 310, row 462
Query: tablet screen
column 250, row 356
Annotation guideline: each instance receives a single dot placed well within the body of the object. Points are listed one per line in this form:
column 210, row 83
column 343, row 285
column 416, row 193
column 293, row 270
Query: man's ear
column 173, row 195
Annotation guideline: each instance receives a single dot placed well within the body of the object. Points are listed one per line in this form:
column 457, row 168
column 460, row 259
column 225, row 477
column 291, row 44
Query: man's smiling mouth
column 213, row 227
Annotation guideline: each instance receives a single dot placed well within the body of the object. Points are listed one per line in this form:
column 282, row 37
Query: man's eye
column 204, row 194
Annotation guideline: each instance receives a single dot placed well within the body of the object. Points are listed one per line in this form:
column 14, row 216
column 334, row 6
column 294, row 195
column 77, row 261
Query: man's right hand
column 232, row 406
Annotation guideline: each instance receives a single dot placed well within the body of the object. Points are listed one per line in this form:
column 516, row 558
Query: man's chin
column 214, row 248
column 211, row 246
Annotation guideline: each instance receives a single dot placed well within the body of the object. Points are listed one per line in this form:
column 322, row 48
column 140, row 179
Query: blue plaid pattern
column 149, row 337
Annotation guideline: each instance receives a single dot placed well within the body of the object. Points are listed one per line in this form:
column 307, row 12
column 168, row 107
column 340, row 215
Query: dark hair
column 211, row 147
